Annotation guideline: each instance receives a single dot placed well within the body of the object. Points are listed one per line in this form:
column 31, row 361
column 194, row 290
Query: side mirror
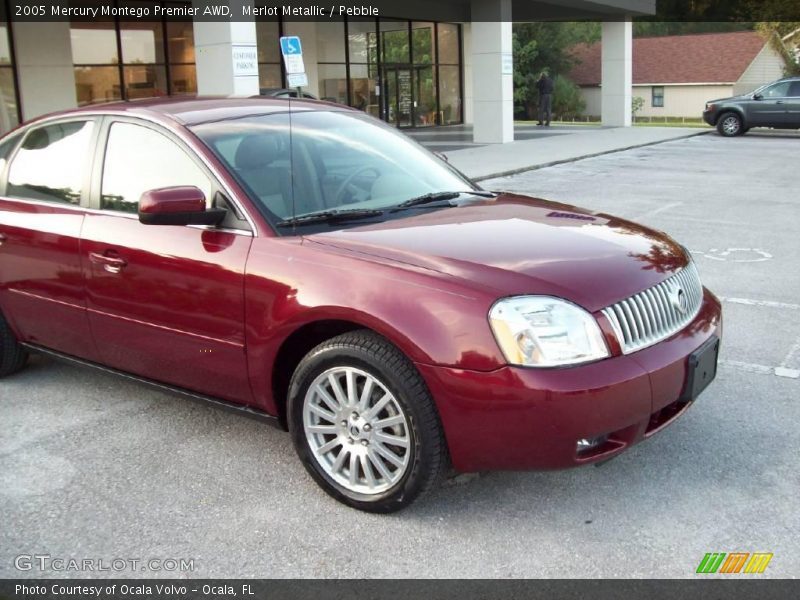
column 758, row 97
column 184, row 205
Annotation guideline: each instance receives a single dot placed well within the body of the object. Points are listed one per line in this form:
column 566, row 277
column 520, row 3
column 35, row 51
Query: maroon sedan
column 302, row 262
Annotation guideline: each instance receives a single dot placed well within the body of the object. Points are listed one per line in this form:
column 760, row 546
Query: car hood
column 520, row 245
column 731, row 99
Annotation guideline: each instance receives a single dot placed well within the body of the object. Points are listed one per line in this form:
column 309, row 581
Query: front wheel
column 730, row 124
column 364, row 424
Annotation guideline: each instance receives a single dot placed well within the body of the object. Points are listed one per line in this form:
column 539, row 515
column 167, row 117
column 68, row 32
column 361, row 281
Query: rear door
column 793, row 105
column 43, row 196
column 164, row 302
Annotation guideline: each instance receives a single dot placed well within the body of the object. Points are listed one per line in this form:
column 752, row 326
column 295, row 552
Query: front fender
column 432, row 318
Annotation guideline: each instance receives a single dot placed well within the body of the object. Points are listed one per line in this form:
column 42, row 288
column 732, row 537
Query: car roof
column 191, row 110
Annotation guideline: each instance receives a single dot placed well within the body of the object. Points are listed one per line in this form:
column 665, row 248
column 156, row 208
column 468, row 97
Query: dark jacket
column 545, row 85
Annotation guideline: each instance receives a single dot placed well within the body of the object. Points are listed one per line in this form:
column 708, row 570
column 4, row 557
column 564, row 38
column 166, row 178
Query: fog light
column 586, row 444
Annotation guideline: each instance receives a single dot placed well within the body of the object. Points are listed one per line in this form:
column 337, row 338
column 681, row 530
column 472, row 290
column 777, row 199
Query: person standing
column 545, row 87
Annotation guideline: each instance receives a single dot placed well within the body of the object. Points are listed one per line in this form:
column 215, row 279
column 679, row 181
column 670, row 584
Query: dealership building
column 425, row 63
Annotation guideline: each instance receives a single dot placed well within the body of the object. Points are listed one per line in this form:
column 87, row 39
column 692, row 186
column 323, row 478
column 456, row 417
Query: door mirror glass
column 184, row 205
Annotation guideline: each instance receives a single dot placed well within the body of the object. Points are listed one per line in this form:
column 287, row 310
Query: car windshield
column 323, row 161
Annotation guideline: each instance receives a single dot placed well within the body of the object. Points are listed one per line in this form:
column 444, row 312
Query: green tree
column 567, row 99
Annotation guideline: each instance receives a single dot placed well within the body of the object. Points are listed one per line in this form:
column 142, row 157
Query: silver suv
column 776, row 105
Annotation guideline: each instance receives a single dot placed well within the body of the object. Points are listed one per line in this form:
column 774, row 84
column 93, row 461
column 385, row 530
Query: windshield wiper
column 331, row 216
column 441, row 196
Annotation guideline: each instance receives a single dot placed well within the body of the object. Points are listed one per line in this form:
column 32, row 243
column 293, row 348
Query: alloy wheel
column 731, row 125
column 357, row 430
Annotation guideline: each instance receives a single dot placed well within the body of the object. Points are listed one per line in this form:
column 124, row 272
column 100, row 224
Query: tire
column 344, row 451
column 12, row 356
column 730, row 124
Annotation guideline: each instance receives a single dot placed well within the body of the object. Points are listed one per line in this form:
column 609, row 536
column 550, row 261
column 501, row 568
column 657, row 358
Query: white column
column 466, row 64
column 492, row 90
column 617, row 73
column 215, row 44
column 44, row 67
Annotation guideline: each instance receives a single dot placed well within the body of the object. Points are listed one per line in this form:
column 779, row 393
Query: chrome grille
column 657, row 313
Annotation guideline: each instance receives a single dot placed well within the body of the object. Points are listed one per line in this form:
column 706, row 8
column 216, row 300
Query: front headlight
column 541, row 331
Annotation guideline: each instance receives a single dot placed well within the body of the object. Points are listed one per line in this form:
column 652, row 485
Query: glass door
column 398, row 97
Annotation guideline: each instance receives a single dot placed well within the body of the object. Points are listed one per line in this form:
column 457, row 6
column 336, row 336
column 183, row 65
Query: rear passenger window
column 139, row 159
column 794, row 91
column 51, row 163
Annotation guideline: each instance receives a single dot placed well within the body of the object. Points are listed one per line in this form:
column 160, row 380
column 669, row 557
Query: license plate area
column 701, row 369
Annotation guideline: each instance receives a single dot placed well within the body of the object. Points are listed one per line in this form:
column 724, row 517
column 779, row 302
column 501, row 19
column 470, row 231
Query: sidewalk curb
column 583, row 156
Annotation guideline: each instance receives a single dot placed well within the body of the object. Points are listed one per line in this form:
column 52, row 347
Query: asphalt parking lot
column 95, row 466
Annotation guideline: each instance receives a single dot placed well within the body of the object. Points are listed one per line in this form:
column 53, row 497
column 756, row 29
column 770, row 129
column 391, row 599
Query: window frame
column 653, row 96
column 89, row 159
column 232, row 224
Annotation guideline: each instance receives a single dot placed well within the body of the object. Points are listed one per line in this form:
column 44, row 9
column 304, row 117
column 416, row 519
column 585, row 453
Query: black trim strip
column 240, row 409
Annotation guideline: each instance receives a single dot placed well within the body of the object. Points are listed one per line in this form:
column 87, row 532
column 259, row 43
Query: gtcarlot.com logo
column 734, row 562
column 46, row 562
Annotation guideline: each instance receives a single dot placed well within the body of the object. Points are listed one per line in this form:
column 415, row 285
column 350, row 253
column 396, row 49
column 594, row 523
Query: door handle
column 779, row 102
column 112, row 264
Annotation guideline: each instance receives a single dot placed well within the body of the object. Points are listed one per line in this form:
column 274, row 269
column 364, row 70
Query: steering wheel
column 337, row 197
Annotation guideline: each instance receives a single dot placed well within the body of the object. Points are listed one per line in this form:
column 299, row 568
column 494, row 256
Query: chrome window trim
column 166, row 124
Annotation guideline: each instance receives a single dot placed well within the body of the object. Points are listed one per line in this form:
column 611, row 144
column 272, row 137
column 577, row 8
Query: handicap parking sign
column 290, row 45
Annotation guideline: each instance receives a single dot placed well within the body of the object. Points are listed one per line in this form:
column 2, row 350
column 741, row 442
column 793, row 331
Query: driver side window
column 139, row 159
column 780, row 90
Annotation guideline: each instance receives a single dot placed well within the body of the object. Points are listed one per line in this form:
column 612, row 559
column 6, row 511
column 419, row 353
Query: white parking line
column 656, row 211
column 767, row 303
column 761, row 369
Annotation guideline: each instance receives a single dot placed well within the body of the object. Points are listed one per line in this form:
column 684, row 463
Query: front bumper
column 710, row 117
column 520, row 418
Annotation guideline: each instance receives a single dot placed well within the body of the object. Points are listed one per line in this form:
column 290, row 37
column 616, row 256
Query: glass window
column 338, row 158
column 394, row 41
column 425, row 96
column 142, row 41
column 269, row 76
column 9, row 113
column 51, row 163
column 180, row 40
column 794, row 90
column 267, row 38
column 134, row 164
column 332, row 83
column 363, row 84
column 145, row 81
column 330, row 41
column 658, row 97
column 183, row 79
column 423, row 48
column 362, row 42
column 448, row 44
column 450, row 94
column 94, row 43
column 97, row 84
column 779, row 90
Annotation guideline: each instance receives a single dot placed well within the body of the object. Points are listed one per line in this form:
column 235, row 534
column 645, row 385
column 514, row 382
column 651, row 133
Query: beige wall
column 680, row 100
column 767, row 66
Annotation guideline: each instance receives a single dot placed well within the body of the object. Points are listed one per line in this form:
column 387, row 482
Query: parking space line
column 655, row 211
column 767, row 303
column 761, row 369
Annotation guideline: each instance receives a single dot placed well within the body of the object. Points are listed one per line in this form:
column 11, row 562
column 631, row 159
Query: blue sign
column 290, row 46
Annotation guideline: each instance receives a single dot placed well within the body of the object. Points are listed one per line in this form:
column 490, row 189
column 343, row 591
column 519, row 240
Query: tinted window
column 139, row 159
column 332, row 160
column 51, row 163
column 779, row 90
column 794, row 90
column 6, row 147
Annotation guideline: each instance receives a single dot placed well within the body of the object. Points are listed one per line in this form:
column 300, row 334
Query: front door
column 164, row 302
column 771, row 109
